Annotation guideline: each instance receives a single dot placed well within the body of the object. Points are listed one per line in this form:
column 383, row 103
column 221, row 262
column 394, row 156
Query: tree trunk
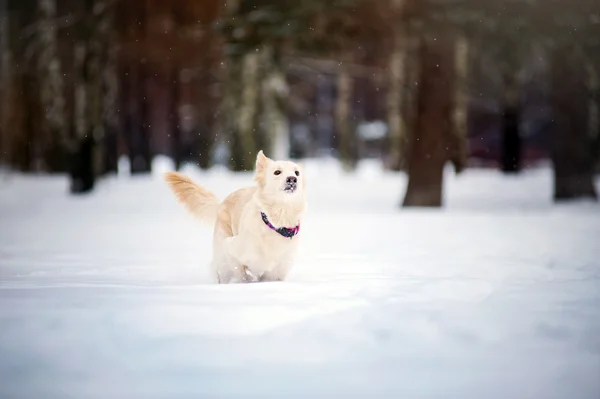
column 396, row 118
column 110, row 83
column 16, row 149
column 82, row 173
column 343, row 108
column 174, row 120
column 571, row 154
column 430, row 145
column 238, row 108
column 54, row 130
column 137, row 123
column 594, row 112
column 5, row 83
column 89, row 116
column 275, row 100
column 511, row 137
column 206, row 127
column 459, row 157
column 244, row 150
column 28, row 155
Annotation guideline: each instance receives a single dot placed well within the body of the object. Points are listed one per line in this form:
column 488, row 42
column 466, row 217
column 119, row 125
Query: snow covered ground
column 495, row 296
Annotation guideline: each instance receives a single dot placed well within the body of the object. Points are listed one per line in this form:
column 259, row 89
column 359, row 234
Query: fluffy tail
column 196, row 199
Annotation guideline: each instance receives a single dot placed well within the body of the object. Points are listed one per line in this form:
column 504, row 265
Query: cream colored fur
column 244, row 248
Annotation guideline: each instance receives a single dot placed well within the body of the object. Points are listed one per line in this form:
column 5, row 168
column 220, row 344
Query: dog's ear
column 261, row 162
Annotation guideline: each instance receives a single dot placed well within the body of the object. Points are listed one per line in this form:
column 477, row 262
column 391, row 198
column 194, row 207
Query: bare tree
column 571, row 144
column 343, row 109
column 275, row 96
column 431, row 144
column 90, row 114
column 397, row 121
column 110, row 87
column 5, row 63
column 511, row 118
column 239, row 111
column 134, row 88
column 459, row 155
column 174, row 83
column 55, row 137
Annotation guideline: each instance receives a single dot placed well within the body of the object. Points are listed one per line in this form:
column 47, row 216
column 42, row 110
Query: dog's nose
column 291, row 179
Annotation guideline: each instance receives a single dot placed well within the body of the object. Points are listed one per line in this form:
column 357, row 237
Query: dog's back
column 231, row 210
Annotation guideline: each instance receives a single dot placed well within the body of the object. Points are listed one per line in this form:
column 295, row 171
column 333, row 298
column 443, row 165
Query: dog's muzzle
column 291, row 184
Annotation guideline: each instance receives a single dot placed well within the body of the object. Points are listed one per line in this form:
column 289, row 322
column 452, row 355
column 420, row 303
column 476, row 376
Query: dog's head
column 279, row 177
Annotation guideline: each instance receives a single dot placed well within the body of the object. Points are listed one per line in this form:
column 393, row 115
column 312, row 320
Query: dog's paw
column 248, row 276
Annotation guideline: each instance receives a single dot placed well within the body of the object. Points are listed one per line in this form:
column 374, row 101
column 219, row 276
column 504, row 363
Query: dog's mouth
column 290, row 187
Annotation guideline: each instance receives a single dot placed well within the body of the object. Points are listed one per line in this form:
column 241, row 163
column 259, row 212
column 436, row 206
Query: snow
column 497, row 295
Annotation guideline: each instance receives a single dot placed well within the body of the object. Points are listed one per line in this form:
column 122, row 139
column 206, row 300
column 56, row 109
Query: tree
column 397, row 120
column 5, row 56
column 52, row 96
column 509, row 56
column 110, row 89
column 275, row 96
column 571, row 141
column 91, row 112
column 431, row 145
column 134, row 86
column 343, row 108
column 572, row 40
column 239, row 107
column 174, row 83
column 25, row 110
column 262, row 30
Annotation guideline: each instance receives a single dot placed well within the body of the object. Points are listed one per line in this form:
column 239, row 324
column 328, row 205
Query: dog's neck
column 283, row 210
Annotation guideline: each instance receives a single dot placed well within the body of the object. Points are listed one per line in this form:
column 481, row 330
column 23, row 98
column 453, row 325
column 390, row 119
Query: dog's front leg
column 235, row 247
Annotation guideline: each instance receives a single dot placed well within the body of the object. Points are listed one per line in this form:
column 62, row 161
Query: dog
column 256, row 228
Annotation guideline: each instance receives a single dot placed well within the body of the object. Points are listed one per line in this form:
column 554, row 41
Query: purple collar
column 284, row 231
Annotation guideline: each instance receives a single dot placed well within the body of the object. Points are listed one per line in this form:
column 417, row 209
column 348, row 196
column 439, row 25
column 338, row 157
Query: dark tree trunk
column 177, row 146
column 27, row 140
column 511, row 140
column 29, row 154
column 459, row 140
column 397, row 83
column 137, row 127
column 110, row 83
column 205, row 136
column 89, row 100
column 51, row 89
column 239, row 108
column 430, row 146
column 510, row 157
column 343, row 110
column 571, row 142
column 83, row 175
column 5, row 72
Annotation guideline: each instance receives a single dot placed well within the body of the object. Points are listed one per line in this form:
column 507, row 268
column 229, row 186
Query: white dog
column 255, row 228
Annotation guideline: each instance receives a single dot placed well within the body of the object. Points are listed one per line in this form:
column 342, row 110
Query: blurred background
column 94, row 88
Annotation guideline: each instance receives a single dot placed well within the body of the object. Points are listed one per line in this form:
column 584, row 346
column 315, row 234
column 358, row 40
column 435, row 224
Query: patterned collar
column 284, row 231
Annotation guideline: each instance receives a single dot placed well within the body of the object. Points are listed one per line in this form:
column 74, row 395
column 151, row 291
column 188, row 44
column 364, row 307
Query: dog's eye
column 297, row 173
column 277, row 172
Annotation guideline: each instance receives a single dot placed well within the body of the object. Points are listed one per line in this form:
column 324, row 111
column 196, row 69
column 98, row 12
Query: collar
column 284, row 231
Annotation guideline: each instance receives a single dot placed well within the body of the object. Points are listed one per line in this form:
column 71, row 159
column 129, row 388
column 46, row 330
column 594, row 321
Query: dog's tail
column 196, row 199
